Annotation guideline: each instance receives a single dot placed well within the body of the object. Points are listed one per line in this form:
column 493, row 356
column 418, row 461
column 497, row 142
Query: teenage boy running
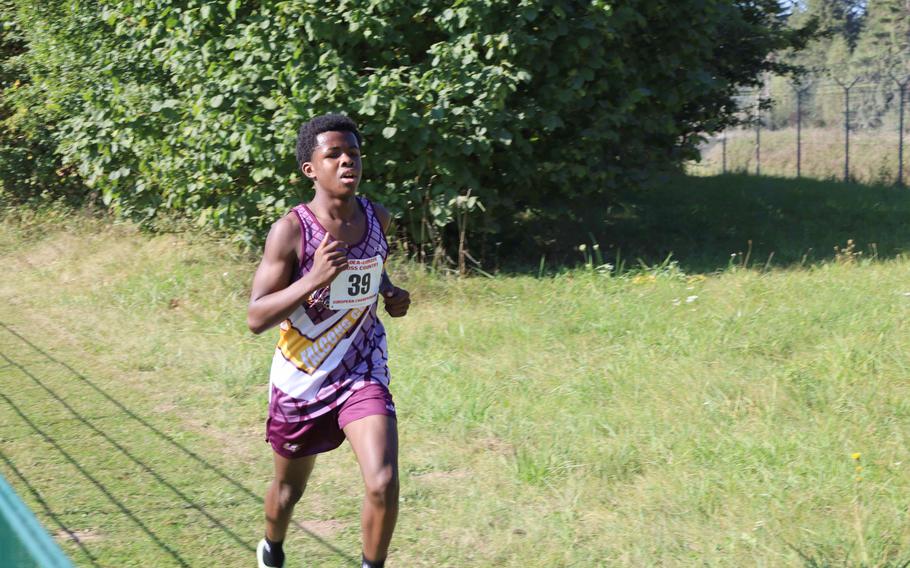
column 318, row 281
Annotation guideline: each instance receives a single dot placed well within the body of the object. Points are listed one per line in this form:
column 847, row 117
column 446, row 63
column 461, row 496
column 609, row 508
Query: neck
column 344, row 208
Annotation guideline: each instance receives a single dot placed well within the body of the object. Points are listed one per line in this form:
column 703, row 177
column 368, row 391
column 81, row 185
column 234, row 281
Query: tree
column 30, row 165
column 839, row 23
column 885, row 41
column 193, row 106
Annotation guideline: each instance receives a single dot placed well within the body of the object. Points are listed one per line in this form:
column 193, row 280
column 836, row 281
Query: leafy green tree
column 474, row 112
column 884, row 45
column 839, row 23
column 883, row 52
column 27, row 158
column 828, row 58
column 835, row 18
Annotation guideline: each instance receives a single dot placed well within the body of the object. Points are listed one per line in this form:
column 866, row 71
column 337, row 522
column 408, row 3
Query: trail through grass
column 657, row 418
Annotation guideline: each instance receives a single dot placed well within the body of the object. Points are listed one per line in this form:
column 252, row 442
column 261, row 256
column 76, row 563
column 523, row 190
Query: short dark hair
column 306, row 136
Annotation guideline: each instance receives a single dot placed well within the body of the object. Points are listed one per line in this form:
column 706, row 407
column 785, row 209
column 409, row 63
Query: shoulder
column 284, row 235
column 382, row 215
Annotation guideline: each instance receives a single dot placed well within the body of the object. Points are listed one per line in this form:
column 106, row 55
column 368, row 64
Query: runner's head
column 328, row 152
column 310, row 130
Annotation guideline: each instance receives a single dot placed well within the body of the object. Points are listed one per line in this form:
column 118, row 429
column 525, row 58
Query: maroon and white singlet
column 324, row 355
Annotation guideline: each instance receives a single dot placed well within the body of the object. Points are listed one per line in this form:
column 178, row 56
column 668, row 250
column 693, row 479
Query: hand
column 328, row 262
column 397, row 301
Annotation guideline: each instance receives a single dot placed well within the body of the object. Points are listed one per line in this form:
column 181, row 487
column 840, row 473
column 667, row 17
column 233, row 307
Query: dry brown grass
column 873, row 155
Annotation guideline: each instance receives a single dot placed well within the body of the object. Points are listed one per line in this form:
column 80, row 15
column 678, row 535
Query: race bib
column 358, row 286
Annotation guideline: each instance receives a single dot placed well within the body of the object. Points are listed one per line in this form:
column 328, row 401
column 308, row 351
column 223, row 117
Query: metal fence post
column 900, row 138
column 846, row 89
column 800, row 89
column 846, row 135
column 723, row 145
column 902, row 92
column 758, row 137
column 799, row 131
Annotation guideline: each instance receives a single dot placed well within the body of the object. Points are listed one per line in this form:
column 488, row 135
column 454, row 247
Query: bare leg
column 284, row 492
column 375, row 443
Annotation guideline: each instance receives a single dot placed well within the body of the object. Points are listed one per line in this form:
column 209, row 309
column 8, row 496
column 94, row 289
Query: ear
column 308, row 171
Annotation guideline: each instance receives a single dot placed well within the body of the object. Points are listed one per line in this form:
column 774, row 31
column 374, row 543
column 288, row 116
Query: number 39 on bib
column 357, row 286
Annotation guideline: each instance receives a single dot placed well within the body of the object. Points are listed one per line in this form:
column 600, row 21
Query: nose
column 347, row 159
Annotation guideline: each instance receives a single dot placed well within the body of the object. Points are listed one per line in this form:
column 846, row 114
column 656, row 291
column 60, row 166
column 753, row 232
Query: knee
column 382, row 487
column 288, row 494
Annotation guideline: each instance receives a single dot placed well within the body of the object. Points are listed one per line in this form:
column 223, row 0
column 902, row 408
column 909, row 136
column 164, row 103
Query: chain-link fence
column 824, row 128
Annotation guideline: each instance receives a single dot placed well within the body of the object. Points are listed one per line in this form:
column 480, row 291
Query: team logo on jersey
column 309, row 354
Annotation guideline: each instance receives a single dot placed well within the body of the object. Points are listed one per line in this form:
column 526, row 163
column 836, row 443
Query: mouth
column 349, row 177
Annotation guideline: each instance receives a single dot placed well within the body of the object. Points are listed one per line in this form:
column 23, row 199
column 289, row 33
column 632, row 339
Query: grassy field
column 663, row 416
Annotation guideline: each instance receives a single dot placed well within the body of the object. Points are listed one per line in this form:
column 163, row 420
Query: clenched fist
column 397, row 301
column 328, row 261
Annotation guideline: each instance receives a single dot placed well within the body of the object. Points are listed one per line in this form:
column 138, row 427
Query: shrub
column 194, row 105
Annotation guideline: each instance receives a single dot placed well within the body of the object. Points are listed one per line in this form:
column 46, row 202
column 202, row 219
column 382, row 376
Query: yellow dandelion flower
column 855, row 455
column 859, row 468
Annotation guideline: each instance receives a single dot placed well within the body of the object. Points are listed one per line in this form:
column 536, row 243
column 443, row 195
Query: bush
column 30, row 166
column 482, row 105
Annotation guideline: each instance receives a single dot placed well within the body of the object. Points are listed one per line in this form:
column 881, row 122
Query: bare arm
column 397, row 300
column 384, row 217
column 273, row 297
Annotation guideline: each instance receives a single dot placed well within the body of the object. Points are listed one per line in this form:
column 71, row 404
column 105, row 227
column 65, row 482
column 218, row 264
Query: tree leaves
column 525, row 102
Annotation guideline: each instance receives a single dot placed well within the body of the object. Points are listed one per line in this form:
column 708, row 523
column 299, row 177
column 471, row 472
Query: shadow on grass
column 702, row 221
column 100, row 486
column 162, row 435
column 125, row 452
column 46, row 508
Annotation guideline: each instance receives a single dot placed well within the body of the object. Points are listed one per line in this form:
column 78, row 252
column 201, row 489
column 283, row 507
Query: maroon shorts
column 297, row 439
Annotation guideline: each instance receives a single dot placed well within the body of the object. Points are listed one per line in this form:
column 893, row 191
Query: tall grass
column 873, row 154
column 660, row 417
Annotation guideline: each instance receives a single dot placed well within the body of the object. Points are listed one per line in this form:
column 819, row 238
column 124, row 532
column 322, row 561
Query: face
column 335, row 164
